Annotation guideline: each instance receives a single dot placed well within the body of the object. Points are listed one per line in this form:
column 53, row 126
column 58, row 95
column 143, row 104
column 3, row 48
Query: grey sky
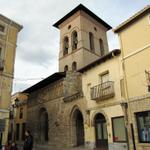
column 38, row 42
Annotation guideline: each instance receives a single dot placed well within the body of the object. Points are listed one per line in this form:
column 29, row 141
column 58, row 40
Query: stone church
column 57, row 111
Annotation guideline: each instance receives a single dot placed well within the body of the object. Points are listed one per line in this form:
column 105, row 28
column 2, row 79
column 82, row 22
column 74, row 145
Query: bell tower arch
column 80, row 34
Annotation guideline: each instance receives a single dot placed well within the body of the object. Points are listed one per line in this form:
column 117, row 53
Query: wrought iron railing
column 103, row 91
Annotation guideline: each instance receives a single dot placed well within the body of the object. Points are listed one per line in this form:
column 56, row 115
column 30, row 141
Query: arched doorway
column 78, row 128
column 43, row 125
column 101, row 132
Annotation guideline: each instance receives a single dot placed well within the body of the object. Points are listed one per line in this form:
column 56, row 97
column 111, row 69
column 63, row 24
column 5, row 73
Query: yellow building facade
column 134, row 36
column 19, row 116
column 8, row 39
column 105, row 123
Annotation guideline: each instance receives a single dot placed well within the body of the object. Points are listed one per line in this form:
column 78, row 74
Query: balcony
column 1, row 65
column 103, row 91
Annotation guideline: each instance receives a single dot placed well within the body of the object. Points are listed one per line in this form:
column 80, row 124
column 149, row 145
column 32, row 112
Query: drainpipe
column 128, row 103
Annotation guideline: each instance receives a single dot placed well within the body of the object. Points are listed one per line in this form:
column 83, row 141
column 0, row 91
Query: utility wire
column 27, row 79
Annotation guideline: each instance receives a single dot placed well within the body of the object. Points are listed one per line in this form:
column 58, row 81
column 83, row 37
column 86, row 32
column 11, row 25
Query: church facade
column 71, row 107
column 86, row 103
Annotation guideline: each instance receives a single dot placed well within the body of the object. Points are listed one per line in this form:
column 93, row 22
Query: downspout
column 128, row 109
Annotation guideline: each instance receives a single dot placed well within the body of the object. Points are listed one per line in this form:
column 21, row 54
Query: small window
column 2, row 28
column 95, row 28
column 119, row 130
column 91, row 40
column 69, row 27
column 143, row 125
column 21, row 113
column 147, row 73
column 74, row 40
column 66, row 68
column 74, row 66
column 66, row 45
column 101, row 47
column 104, row 77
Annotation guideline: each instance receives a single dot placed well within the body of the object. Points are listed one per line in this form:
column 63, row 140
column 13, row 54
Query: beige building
column 82, row 38
column 134, row 36
column 105, row 124
column 18, row 117
column 58, row 103
column 8, row 39
column 99, row 99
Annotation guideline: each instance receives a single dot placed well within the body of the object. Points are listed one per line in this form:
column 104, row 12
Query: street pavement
column 54, row 148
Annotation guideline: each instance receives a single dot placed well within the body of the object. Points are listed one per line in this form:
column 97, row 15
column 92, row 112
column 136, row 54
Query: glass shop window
column 119, row 130
column 143, row 125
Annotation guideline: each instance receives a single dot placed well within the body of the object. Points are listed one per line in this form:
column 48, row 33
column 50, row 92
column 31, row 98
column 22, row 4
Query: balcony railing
column 1, row 64
column 103, row 91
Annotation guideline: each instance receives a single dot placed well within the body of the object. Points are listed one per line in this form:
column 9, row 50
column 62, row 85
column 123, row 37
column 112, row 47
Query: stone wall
column 72, row 84
column 61, row 129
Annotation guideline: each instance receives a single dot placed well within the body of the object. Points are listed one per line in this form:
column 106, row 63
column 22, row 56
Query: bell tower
column 83, row 38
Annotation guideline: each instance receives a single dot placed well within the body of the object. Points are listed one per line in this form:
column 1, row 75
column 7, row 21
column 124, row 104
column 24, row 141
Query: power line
column 28, row 79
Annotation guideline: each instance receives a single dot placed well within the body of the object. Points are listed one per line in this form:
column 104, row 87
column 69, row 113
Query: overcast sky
column 38, row 42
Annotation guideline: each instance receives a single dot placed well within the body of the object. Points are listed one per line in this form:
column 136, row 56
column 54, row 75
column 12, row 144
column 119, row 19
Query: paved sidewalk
column 54, row 148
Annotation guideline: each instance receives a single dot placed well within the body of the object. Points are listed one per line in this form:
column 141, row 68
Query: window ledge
column 144, row 144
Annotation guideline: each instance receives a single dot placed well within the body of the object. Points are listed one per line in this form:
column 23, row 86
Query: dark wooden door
column 44, row 127
column 79, row 129
column 101, row 133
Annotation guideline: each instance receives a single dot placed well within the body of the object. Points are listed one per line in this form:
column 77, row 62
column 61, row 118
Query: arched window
column 74, row 40
column 74, row 66
column 66, row 68
column 101, row 47
column 44, row 125
column 91, row 40
column 65, row 45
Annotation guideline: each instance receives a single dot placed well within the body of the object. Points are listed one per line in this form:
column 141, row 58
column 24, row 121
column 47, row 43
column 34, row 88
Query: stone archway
column 77, row 125
column 43, row 121
column 92, row 122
